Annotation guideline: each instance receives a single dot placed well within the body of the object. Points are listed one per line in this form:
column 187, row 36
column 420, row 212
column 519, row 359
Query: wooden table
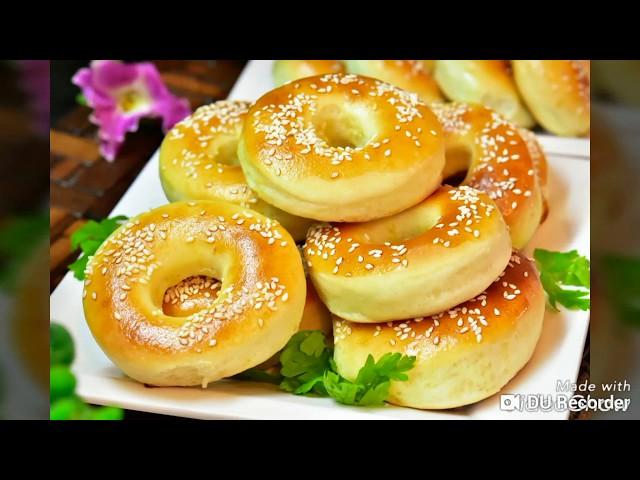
column 84, row 186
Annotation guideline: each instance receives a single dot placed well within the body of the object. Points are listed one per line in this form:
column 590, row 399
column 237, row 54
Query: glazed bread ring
column 557, row 93
column 341, row 148
column 463, row 355
column 198, row 161
column 257, row 309
column 285, row 71
column 497, row 160
column 409, row 75
column 422, row 261
column 487, row 82
column 539, row 164
column 316, row 316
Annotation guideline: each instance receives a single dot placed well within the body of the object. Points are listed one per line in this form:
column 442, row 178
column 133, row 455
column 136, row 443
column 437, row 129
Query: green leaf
column 88, row 238
column 81, row 100
column 62, row 383
column 341, row 390
column 307, row 367
column 565, row 277
column 62, row 351
column 304, row 360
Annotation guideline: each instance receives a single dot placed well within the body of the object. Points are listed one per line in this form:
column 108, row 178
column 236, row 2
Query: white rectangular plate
column 557, row 356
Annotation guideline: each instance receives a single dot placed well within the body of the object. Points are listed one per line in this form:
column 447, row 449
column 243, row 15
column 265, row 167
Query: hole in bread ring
column 464, row 354
column 421, row 261
column 258, row 308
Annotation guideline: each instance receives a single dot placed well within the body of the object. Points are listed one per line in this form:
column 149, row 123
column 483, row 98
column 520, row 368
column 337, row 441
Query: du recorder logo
column 569, row 397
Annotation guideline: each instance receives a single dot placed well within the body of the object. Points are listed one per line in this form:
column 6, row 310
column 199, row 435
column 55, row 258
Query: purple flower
column 121, row 94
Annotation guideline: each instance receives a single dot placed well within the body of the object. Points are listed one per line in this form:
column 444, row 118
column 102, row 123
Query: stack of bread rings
column 554, row 93
column 392, row 255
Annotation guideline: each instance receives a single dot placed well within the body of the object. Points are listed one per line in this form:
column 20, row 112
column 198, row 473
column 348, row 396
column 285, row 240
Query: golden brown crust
column 507, row 315
column 198, row 161
column 486, row 82
column 499, row 162
column 558, row 93
column 389, row 154
column 371, row 272
column 410, row 75
column 259, row 306
column 288, row 70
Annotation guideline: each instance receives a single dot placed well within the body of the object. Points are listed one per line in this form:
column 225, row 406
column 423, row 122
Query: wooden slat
column 73, row 200
column 64, row 170
column 59, row 219
column 83, row 149
column 60, row 252
column 184, row 83
column 76, row 123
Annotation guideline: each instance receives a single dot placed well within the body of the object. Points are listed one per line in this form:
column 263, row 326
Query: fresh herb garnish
column 88, row 238
column 307, row 367
column 565, row 276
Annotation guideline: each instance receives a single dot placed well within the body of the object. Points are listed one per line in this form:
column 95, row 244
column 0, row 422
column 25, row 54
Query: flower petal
column 111, row 75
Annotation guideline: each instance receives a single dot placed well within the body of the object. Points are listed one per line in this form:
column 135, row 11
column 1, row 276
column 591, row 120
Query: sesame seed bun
column 497, row 160
column 285, row 71
column 258, row 308
column 198, row 161
column 557, row 93
column 341, row 148
column 462, row 355
column 424, row 260
column 410, row 75
column 487, row 82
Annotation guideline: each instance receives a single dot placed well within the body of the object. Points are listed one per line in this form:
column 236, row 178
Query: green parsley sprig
column 307, row 367
column 565, row 276
column 88, row 238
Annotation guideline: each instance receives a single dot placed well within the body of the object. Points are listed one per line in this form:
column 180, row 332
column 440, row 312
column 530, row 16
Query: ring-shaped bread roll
column 198, row 161
column 257, row 309
column 487, row 82
column 341, row 148
column 285, row 71
column 497, row 160
column 540, row 165
column 558, row 94
column 421, row 261
column 463, row 355
column 410, row 75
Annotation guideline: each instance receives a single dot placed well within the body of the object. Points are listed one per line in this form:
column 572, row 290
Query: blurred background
column 79, row 185
column 615, row 229
column 24, row 202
